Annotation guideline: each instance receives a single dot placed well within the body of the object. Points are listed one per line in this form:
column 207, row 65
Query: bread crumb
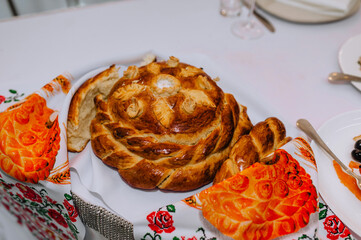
column 149, row 58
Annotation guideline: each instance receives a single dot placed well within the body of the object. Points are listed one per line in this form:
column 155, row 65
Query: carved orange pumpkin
column 262, row 201
column 29, row 140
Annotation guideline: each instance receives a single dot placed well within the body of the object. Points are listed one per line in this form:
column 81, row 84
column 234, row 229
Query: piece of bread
column 82, row 108
column 167, row 125
column 263, row 201
column 29, row 139
column 264, row 138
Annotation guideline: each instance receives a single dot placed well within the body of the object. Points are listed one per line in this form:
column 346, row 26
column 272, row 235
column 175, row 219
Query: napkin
column 45, row 208
column 324, row 7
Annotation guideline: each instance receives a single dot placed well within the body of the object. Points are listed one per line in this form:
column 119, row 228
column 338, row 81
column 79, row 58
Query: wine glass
column 248, row 28
column 75, row 3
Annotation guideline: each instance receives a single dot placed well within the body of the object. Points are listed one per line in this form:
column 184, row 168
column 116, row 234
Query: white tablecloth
column 287, row 69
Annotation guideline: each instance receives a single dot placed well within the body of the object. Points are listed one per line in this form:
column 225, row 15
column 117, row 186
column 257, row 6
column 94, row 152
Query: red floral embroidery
column 161, row 221
column 20, row 196
column 71, row 210
column 335, row 228
column 2, row 99
column 27, row 210
column 53, row 226
column 50, row 235
column 65, row 236
column 193, row 238
column 6, row 206
column 5, row 185
column 57, row 217
column 51, row 200
column 29, row 193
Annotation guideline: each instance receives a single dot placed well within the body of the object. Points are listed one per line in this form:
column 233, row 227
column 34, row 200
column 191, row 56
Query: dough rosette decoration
column 29, row 139
column 167, row 125
column 264, row 201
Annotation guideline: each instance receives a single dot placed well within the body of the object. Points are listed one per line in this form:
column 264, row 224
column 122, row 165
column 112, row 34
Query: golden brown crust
column 82, row 108
column 227, row 170
column 167, row 125
column 264, row 138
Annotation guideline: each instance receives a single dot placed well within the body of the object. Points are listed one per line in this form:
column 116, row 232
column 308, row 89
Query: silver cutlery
column 307, row 128
column 262, row 19
column 337, row 77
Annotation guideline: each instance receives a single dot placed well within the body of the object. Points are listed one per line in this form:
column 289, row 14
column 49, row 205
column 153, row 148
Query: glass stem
column 251, row 8
column 251, row 5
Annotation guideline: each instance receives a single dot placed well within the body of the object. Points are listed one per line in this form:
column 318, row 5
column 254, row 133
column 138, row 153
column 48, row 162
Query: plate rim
column 333, row 206
column 310, row 17
column 341, row 55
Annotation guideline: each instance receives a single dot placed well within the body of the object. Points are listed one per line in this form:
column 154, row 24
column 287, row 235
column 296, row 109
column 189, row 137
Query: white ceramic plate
column 294, row 14
column 348, row 57
column 338, row 133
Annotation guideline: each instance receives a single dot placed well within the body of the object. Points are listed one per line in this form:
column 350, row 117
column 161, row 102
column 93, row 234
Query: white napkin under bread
column 324, row 7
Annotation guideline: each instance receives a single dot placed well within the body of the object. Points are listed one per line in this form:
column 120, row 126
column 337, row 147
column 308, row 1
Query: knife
column 262, row 19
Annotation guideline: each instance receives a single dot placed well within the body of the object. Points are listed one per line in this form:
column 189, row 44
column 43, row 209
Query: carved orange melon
column 263, row 201
column 29, row 140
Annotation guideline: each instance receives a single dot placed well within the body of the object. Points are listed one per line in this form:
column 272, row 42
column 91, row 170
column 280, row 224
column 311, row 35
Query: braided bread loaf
column 264, row 138
column 167, row 125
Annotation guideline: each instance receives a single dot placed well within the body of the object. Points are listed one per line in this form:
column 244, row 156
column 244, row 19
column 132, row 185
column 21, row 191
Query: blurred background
column 11, row 8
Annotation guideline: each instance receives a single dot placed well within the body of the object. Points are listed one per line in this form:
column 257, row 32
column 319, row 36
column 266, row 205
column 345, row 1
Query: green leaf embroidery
column 68, row 197
column 43, row 212
column 321, row 205
column 171, row 208
column 155, row 237
column 72, row 227
column 34, row 204
column 13, row 91
column 323, row 214
column 304, row 236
